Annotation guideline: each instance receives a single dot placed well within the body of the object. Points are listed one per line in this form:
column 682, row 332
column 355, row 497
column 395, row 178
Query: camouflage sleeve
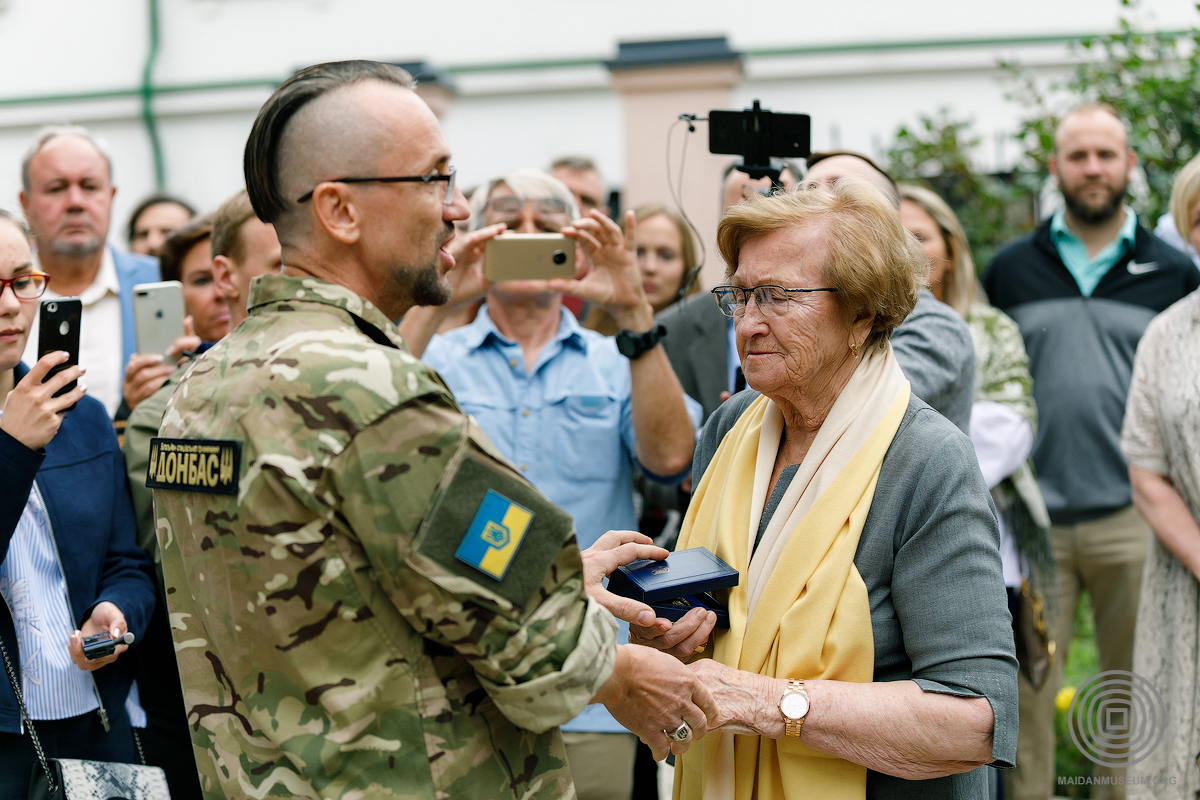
column 1005, row 370
column 141, row 427
column 475, row 559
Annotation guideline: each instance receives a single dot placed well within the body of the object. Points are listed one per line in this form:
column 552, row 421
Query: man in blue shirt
column 566, row 407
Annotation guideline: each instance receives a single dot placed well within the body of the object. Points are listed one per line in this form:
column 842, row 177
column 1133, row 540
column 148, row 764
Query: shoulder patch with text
column 195, row 465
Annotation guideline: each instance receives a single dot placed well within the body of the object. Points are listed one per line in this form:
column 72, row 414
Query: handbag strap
column 26, row 721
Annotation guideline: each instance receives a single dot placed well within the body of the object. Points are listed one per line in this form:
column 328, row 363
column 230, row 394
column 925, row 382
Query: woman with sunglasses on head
column 868, row 652
column 69, row 567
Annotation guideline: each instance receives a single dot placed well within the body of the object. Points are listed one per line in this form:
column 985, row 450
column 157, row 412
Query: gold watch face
column 794, row 705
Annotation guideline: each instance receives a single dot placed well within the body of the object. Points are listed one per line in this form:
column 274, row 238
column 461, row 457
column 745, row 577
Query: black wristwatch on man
column 635, row 345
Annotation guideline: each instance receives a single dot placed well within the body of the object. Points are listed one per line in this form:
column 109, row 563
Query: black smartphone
column 58, row 329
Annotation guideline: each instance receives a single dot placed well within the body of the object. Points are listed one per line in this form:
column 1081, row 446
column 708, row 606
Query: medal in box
column 685, row 580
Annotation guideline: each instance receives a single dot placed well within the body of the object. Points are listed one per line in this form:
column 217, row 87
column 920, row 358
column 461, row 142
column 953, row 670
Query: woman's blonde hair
column 876, row 266
column 1184, row 194
column 958, row 281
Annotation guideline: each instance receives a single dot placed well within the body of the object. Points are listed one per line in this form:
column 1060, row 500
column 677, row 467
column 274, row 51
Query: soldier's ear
column 336, row 212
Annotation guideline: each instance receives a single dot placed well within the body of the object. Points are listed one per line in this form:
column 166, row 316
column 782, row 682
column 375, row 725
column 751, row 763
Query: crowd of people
column 384, row 575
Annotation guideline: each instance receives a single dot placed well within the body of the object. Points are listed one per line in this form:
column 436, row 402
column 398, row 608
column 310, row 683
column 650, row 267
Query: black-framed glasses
column 432, row 177
column 771, row 300
column 27, row 285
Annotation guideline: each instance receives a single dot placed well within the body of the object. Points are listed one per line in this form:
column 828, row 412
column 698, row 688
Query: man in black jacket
column 1083, row 287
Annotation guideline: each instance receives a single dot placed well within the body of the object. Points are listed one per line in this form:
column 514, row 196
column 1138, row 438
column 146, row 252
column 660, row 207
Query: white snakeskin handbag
column 72, row 779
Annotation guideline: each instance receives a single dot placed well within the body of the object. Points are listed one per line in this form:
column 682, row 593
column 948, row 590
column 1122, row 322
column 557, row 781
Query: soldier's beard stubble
column 427, row 288
column 424, row 284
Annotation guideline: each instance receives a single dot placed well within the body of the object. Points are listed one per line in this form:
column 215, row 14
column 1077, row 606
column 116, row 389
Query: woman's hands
column 105, row 618
column 32, row 414
column 747, row 703
column 146, row 373
column 681, row 638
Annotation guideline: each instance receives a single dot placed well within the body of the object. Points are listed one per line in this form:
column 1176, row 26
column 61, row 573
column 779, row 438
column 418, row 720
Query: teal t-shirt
column 1088, row 271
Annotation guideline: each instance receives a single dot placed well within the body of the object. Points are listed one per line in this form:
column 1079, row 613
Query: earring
column 854, row 350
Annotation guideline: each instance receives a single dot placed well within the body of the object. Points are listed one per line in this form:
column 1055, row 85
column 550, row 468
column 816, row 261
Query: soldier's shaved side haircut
column 261, row 160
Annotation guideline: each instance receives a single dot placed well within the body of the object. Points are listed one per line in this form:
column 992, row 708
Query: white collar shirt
column 101, row 344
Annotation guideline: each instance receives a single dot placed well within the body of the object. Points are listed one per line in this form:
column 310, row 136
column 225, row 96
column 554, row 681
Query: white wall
column 503, row 118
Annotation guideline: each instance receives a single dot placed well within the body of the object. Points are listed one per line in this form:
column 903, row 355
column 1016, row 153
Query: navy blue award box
column 674, row 587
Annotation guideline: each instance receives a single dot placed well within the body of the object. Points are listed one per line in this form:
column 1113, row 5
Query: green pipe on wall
column 147, row 94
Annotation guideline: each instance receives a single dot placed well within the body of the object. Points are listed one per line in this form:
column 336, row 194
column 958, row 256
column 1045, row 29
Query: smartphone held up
column 529, row 257
column 58, row 329
column 158, row 313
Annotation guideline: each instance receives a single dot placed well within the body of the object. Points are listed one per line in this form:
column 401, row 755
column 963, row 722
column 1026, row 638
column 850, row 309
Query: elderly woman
column 1161, row 439
column 869, row 651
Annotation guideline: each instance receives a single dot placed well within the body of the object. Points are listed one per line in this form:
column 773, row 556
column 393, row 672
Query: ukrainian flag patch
column 495, row 535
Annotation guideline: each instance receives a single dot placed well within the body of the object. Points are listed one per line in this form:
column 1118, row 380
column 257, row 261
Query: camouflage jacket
column 140, row 428
column 382, row 607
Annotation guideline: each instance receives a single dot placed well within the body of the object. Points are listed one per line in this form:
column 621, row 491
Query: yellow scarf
column 808, row 604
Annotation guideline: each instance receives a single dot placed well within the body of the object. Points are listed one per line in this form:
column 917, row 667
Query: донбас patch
column 195, row 465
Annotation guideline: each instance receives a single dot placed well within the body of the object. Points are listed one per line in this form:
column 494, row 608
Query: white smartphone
column 158, row 316
column 529, row 256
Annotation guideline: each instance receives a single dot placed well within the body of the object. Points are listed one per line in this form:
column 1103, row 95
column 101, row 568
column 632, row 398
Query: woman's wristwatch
column 794, row 707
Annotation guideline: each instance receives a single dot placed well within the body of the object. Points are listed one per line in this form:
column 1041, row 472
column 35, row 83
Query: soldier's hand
column 31, row 412
column 612, row 550
column 651, row 693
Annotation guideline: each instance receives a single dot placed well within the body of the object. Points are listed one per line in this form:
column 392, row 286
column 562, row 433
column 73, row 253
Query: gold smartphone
column 529, row 257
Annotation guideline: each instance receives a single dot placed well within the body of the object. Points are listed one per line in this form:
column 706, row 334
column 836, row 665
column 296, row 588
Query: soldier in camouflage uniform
column 367, row 599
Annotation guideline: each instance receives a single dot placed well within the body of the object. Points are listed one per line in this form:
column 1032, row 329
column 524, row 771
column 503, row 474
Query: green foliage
column 936, row 153
column 1152, row 79
column 1082, row 664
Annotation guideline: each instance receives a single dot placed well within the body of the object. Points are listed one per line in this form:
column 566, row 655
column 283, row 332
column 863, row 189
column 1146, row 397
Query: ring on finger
column 680, row 734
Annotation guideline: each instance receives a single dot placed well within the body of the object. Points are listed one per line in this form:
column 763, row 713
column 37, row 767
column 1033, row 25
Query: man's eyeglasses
column 432, row 177
column 26, row 286
column 771, row 300
column 509, row 206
